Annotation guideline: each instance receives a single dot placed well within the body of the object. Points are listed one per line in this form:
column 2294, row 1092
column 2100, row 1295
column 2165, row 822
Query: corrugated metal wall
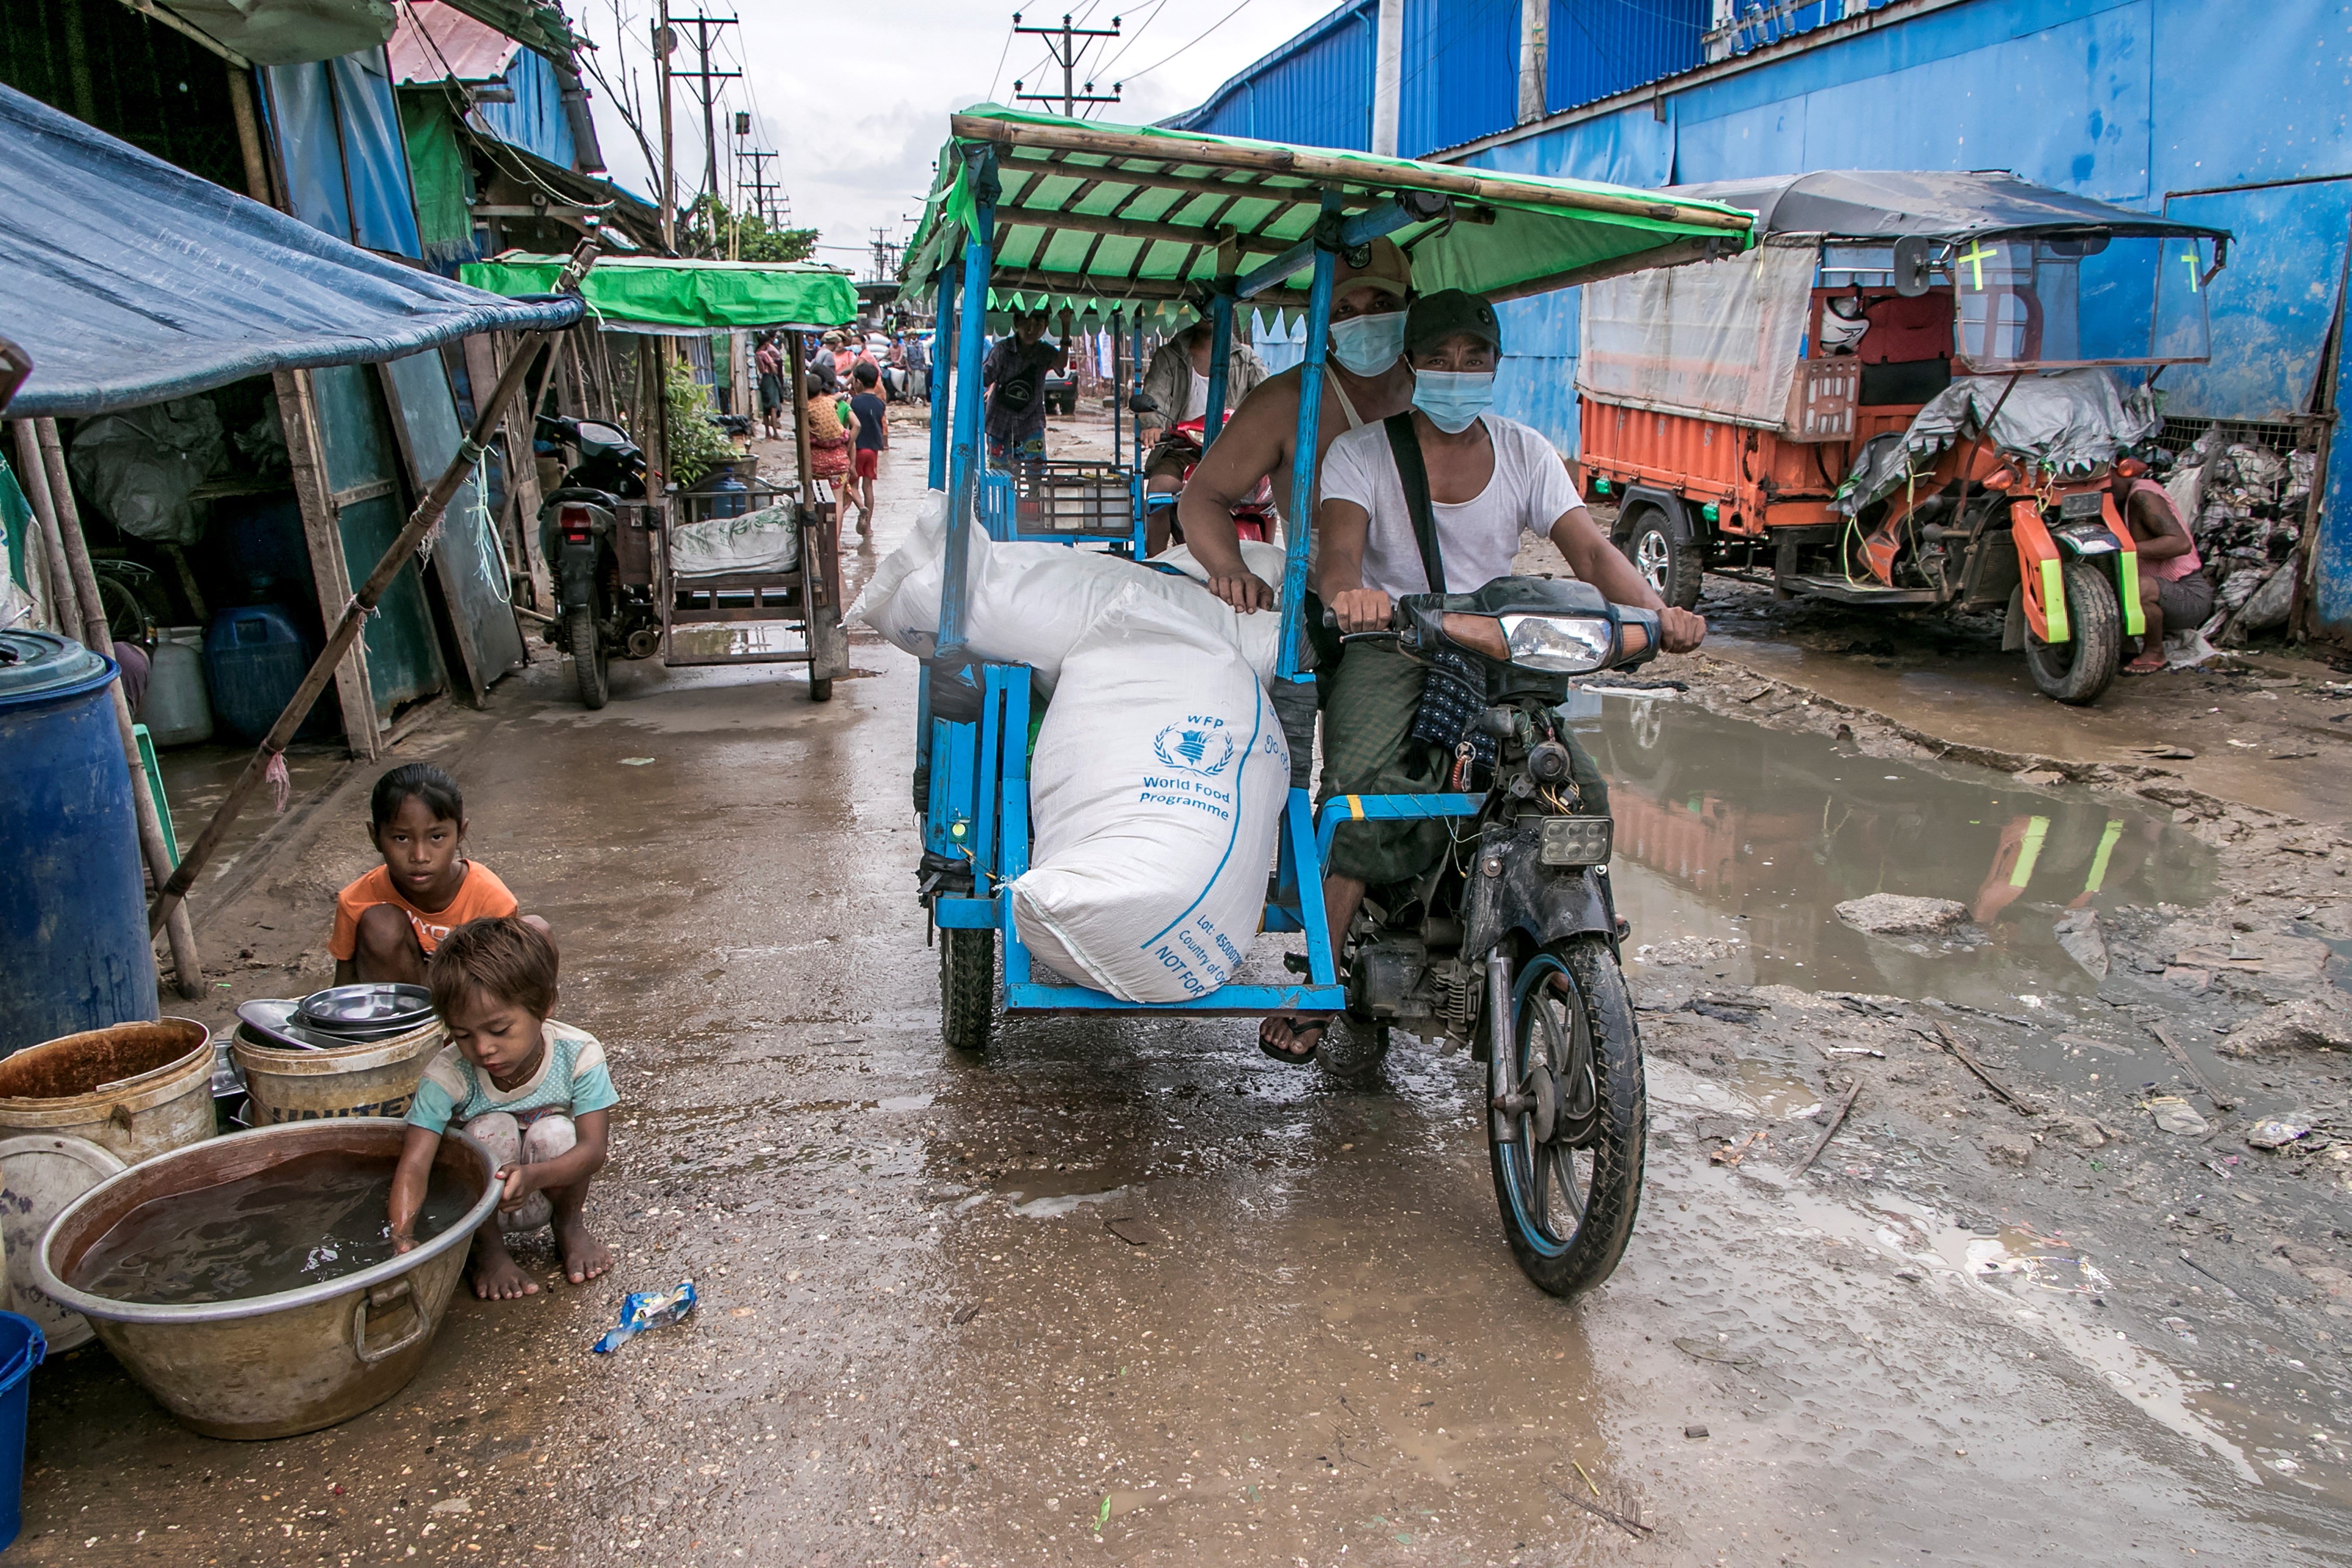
column 1315, row 91
column 2134, row 101
column 535, row 121
column 1596, row 47
column 1461, row 72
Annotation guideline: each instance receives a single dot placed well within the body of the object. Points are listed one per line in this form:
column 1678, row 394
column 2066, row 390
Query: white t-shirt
column 1196, row 402
column 1476, row 540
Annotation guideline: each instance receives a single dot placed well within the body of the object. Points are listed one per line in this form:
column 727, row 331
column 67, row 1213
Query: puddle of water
column 1735, row 843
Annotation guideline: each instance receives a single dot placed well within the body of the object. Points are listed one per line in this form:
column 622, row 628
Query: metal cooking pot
column 271, row 1366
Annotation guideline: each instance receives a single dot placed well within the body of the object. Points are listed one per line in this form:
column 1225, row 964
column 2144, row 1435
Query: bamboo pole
column 1037, row 162
column 488, row 416
column 76, row 584
column 65, row 607
column 1305, row 163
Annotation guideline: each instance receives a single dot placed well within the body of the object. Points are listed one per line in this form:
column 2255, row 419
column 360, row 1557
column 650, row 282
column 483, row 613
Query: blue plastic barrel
column 73, row 899
column 729, row 496
column 254, row 659
column 21, row 1350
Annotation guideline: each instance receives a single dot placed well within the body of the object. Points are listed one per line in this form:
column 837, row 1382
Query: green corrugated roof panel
column 1111, row 215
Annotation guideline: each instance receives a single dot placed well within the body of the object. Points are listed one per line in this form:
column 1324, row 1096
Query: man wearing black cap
column 1489, row 480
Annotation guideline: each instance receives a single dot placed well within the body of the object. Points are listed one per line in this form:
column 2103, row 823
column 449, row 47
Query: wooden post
column 249, row 135
column 60, row 519
column 65, row 608
column 331, row 570
column 800, row 414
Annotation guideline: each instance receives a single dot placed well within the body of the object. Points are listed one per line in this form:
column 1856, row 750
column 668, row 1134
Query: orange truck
column 1916, row 390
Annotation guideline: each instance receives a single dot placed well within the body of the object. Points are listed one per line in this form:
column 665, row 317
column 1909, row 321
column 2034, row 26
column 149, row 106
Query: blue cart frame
column 973, row 726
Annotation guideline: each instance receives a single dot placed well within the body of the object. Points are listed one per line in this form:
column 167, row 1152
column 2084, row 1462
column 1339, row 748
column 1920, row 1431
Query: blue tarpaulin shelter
column 133, row 281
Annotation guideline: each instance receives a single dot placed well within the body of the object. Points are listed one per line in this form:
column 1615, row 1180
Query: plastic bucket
column 295, row 1361
column 377, row 1078
column 134, row 1089
column 22, row 1349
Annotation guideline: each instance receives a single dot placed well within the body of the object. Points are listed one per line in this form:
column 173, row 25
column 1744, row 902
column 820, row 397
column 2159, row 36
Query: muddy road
column 1127, row 1291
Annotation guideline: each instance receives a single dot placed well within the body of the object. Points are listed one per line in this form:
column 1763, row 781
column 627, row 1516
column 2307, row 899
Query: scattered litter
column 643, row 1310
column 1732, row 1156
column 1704, row 1350
column 636, row 762
column 739, row 1311
column 1587, row 1478
column 1951, row 1043
column 2176, row 1115
column 1694, row 1431
column 452, row 1505
column 1853, row 1051
column 965, row 1315
column 2276, row 1132
column 1829, row 1132
column 1633, row 1527
column 1134, row 1232
column 1054, row 1207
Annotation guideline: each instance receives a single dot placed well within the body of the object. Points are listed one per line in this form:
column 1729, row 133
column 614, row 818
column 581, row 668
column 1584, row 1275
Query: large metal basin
column 271, row 1366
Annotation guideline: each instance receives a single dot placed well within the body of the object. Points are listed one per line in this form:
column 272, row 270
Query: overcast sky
column 855, row 96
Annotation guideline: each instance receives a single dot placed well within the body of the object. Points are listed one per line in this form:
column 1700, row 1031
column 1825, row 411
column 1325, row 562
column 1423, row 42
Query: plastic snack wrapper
column 643, row 1310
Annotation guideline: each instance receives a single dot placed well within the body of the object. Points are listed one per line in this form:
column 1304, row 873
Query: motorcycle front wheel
column 1567, row 1113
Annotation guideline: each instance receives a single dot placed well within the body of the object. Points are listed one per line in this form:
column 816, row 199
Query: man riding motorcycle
column 1450, row 485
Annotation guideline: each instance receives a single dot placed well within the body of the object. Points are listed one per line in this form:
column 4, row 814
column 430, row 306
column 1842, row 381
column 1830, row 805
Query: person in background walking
column 873, row 416
column 771, row 362
column 1015, row 374
column 845, row 354
column 829, row 442
column 819, row 366
column 919, row 369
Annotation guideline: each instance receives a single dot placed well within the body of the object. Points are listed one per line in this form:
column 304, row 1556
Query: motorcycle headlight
column 1563, row 645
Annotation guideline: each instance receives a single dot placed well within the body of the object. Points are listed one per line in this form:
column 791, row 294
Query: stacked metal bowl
column 339, row 1016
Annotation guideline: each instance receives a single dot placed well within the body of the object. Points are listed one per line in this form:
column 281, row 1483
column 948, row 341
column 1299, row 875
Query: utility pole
column 759, row 185
column 703, row 79
column 734, row 202
column 665, row 40
column 1066, row 57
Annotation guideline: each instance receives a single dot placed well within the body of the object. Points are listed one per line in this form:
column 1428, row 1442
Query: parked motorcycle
column 1253, row 514
column 593, row 532
column 1510, row 944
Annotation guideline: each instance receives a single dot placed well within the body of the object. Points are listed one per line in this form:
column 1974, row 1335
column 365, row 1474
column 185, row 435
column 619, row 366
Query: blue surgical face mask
column 1366, row 345
column 1452, row 398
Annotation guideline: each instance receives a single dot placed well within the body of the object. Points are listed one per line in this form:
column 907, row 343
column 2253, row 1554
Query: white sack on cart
column 1030, row 604
column 1157, row 789
column 768, row 539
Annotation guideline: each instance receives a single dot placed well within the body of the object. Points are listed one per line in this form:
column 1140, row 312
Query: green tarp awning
column 1140, row 216
column 624, row 292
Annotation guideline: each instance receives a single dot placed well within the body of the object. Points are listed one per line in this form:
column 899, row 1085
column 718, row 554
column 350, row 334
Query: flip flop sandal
column 1303, row 1054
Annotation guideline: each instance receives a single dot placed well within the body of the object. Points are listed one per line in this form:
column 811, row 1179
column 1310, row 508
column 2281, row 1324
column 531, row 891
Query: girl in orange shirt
column 389, row 922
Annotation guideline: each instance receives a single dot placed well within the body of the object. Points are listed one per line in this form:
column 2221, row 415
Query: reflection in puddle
column 1735, row 844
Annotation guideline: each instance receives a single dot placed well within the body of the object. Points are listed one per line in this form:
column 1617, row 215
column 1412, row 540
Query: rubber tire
column 966, row 988
column 1675, row 567
column 1354, row 1049
column 588, row 664
column 1592, row 1254
column 2097, row 620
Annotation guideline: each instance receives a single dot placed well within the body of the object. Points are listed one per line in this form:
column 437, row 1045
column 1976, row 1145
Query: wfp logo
column 1197, row 750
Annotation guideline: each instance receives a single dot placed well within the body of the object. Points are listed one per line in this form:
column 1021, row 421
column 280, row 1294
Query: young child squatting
column 533, row 1092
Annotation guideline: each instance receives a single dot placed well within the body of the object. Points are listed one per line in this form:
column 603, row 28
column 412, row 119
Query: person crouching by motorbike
column 1177, row 382
column 2174, row 590
column 1478, row 482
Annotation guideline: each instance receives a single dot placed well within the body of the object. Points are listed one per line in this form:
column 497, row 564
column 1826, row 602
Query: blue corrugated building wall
column 2234, row 116
column 1315, row 91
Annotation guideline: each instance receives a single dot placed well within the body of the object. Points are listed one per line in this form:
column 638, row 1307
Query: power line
column 1212, row 27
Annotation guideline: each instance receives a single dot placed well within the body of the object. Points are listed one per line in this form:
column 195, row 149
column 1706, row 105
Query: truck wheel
column 1672, row 567
column 2078, row 670
column 967, row 987
column 588, row 664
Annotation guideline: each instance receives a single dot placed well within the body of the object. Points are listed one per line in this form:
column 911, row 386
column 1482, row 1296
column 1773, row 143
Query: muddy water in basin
column 1738, row 843
column 296, row 1224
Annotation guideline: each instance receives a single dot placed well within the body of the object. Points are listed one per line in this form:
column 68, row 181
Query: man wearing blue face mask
column 1478, row 483
column 1366, row 380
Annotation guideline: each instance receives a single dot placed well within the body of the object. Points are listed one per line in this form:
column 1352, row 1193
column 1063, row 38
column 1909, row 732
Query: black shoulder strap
column 1405, row 443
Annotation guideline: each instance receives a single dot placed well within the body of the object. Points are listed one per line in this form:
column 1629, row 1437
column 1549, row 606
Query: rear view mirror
column 1143, row 402
column 1914, row 266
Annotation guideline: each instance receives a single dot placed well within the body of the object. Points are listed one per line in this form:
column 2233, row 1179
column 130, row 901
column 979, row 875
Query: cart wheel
column 2078, row 670
column 1671, row 566
column 966, row 988
column 588, row 664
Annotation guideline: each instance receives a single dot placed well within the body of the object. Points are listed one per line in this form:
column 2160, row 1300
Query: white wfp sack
column 1157, row 789
column 1030, row 604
